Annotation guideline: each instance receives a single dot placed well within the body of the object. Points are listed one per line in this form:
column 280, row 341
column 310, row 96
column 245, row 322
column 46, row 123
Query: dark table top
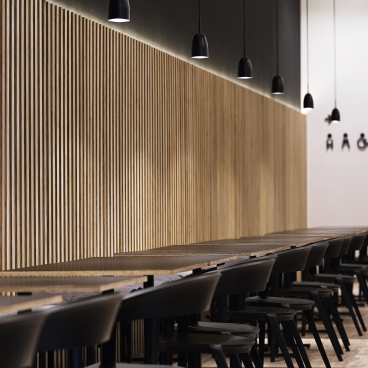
column 212, row 249
column 28, row 284
column 121, row 266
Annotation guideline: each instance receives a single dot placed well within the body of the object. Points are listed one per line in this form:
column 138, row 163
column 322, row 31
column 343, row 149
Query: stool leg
column 261, row 336
column 219, row 356
column 235, row 361
column 299, row 343
column 330, row 331
column 317, row 338
column 278, row 335
column 362, row 285
column 347, row 301
column 357, row 311
column 290, row 339
column 247, row 361
column 339, row 325
column 255, row 357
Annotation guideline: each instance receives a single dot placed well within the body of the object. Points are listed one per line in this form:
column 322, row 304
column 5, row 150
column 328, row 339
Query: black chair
column 83, row 323
column 19, row 336
column 181, row 299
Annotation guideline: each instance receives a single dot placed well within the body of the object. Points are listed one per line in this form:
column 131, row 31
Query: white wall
column 338, row 179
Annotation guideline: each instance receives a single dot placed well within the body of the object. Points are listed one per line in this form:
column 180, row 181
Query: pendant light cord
column 199, row 16
column 334, row 9
column 244, row 27
column 307, row 48
column 277, row 37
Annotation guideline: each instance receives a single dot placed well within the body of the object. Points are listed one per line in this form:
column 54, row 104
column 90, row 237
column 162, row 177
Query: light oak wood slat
column 110, row 145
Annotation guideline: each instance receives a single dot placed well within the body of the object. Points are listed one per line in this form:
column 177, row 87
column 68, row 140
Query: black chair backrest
column 346, row 245
column 19, row 336
column 291, row 260
column 190, row 295
column 357, row 242
column 86, row 322
column 334, row 248
column 247, row 276
column 316, row 254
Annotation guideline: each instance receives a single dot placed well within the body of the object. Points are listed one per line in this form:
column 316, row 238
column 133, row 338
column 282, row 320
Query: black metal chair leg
column 247, row 361
column 313, row 328
column 278, row 335
column 362, row 285
column 299, row 342
column 339, row 325
column 290, row 340
column 255, row 357
column 235, row 361
column 328, row 326
column 261, row 337
column 219, row 356
column 346, row 297
column 357, row 311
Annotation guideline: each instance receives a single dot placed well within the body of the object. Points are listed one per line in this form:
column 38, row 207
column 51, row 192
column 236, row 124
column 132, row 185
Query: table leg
column 151, row 332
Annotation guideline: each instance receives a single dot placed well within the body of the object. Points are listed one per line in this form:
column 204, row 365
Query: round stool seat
column 293, row 303
column 201, row 343
column 328, row 285
column 250, row 312
column 346, row 279
column 306, row 291
column 236, row 329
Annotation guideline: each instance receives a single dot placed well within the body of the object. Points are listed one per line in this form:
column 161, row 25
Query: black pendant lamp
column 199, row 43
column 245, row 69
column 277, row 82
column 335, row 116
column 308, row 99
column 119, row 11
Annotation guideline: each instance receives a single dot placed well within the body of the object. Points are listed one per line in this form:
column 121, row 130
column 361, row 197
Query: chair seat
column 346, row 279
column 305, row 291
column 201, row 343
column 249, row 313
column 293, row 303
column 316, row 284
column 129, row 365
column 233, row 328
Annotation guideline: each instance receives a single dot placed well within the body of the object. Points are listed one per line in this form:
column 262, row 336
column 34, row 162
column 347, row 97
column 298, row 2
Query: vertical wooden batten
column 109, row 145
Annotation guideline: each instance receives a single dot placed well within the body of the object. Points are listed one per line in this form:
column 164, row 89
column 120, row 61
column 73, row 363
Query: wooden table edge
column 30, row 304
column 70, row 288
column 238, row 254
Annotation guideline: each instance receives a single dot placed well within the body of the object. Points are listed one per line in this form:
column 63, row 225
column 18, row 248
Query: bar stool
column 19, row 336
column 243, row 277
column 344, row 276
column 287, row 262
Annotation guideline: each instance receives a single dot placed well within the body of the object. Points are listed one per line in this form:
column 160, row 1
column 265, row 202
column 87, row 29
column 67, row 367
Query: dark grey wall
column 171, row 24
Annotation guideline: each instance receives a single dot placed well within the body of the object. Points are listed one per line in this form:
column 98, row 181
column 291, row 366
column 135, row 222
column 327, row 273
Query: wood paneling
column 109, row 145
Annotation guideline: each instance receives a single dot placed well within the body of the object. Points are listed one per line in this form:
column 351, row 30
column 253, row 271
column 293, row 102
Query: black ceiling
column 171, row 24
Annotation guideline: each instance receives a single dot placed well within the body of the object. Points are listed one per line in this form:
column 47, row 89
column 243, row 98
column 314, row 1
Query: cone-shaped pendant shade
column 335, row 116
column 308, row 101
column 277, row 85
column 119, row 11
column 245, row 69
column 200, row 47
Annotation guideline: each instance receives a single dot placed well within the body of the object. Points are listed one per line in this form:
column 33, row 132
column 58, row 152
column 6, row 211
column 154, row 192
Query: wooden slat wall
column 108, row 144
